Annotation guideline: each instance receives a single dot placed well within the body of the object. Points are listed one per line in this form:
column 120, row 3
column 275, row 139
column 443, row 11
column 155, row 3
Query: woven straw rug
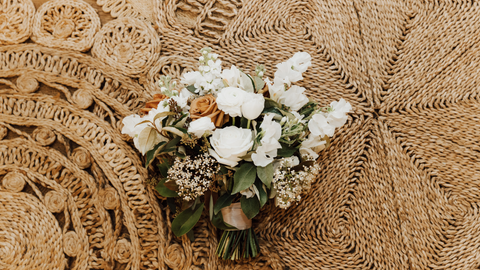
column 399, row 188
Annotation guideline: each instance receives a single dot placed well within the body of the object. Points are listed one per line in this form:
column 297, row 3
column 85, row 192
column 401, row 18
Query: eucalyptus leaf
column 164, row 191
column 259, row 83
column 191, row 88
column 250, row 206
column 152, row 153
column 170, row 146
column 263, row 194
column 286, row 151
column 162, row 114
column 247, row 82
column 186, row 220
column 224, row 201
column 174, row 130
column 244, row 177
column 266, row 174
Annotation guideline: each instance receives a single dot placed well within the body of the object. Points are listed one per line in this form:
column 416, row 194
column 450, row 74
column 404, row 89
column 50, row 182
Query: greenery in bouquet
column 225, row 142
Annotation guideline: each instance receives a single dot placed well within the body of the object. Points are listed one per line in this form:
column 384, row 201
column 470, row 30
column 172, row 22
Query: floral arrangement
column 226, row 142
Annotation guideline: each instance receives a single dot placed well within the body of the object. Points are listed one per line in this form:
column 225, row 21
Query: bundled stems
column 235, row 245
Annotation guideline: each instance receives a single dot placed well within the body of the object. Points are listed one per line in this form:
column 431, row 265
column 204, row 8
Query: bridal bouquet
column 226, row 142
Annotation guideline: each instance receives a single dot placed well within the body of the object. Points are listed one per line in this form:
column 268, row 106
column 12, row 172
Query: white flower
column 253, row 105
column 236, row 78
column 147, row 139
column 300, row 61
column 192, row 77
column 312, row 146
column 286, row 75
column 230, row 144
column 319, row 126
column 181, row 101
column 131, row 127
column 267, row 151
column 250, row 192
column 230, row 100
column 338, row 117
column 275, row 90
column 200, row 126
column 286, row 163
column 294, row 98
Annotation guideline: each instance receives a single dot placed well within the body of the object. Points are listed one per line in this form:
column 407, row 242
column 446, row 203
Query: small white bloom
column 192, row 77
column 131, row 127
column 312, row 146
column 300, row 61
column 294, row 98
column 200, row 126
column 319, row 126
column 230, row 144
column 276, row 90
column 267, row 151
column 230, row 100
column 338, row 117
column 250, row 192
column 253, row 105
column 236, row 78
column 286, row 75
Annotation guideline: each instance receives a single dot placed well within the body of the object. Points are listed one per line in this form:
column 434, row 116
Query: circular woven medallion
column 15, row 21
column 66, row 24
column 127, row 44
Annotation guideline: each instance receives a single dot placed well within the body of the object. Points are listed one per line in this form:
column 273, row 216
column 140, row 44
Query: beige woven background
column 399, row 188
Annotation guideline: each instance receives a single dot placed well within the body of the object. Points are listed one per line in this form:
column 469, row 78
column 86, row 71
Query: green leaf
column 259, row 83
column 224, row 201
column 263, row 194
column 170, row 146
column 171, row 204
column 152, row 153
column 270, row 103
column 164, row 191
column 185, row 221
column 191, row 236
column 180, row 119
column 180, row 155
column 286, row 151
column 163, row 168
column 243, row 122
column 272, row 110
column 191, row 88
column 266, row 174
column 218, row 222
column 250, row 206
column 175, row 130
column 244, row 177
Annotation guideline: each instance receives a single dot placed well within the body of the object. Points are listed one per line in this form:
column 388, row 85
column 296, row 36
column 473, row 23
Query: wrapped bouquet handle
column 240, row 242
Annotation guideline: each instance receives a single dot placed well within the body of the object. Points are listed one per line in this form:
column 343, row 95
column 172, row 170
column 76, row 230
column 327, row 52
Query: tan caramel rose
column 153, row 103
column 206, row 106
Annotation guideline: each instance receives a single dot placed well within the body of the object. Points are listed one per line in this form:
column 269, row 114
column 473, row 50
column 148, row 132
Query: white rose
column 312, row 146
column 230, row 100
column 200, row 126
column 131, row 127
column 253, row 105
column 319, row 126
column 267, row 151
column 230, row 144
column 294, row 98
column 338, row 117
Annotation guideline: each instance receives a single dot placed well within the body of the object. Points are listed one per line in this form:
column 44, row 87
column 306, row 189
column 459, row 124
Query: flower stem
column 248, row 123
column 233, row 121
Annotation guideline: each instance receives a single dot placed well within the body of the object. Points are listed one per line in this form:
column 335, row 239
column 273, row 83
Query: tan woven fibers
column 399, row 187
column 128, row 44
column 69, row 24
column 16, row 17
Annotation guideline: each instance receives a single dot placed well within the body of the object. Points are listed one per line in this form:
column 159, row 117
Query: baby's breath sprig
column 290, row 183
column 193, row 175
column 167, row 86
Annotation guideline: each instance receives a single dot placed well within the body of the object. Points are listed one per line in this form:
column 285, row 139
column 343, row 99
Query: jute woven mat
column 399, row 188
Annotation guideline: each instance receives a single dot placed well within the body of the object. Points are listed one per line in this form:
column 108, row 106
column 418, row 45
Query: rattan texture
column 16, row 17
column 68, row 24
column 399, row 186
column 128, row 44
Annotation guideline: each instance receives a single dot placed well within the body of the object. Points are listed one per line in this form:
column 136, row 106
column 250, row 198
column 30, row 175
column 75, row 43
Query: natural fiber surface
column 399, row 187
